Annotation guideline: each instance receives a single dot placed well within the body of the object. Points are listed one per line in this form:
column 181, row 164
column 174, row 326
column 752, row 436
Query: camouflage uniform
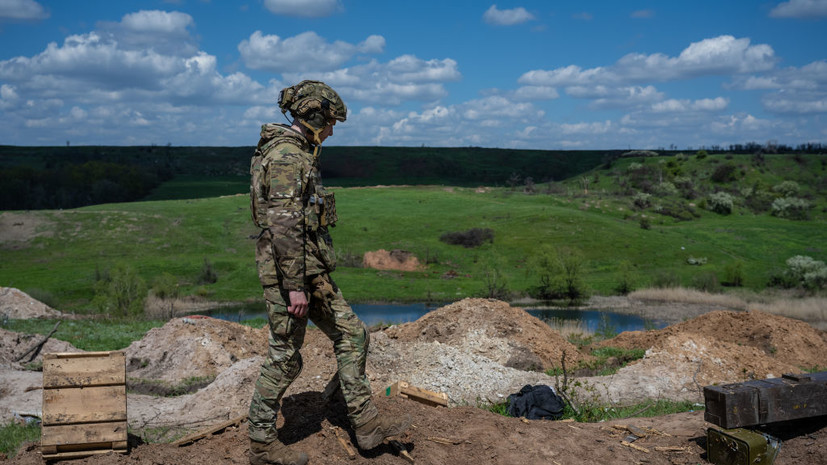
column 295, row 253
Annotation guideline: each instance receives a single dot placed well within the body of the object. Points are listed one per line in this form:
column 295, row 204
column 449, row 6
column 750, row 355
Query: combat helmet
column 313, row 104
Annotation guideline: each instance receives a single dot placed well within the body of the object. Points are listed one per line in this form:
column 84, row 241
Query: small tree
column 122, row 293
column 721, row 202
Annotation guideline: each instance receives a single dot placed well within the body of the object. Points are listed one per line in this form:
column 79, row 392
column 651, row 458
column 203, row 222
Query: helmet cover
column 313, row 101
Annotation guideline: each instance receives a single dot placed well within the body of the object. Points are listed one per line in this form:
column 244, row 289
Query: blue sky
column 521, row 74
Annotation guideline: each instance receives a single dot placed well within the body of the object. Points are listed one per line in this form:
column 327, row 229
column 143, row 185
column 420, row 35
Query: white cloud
column 796, row 90
column 402, row 79
column 716, row 56
column 643, row 14
column 528, row 93
column 801, row 9
column 703, row 105
column 584, row 16
column 22, row 9
column 304, row 8
column 301, row 53
column 164, row 32
column 506, row 17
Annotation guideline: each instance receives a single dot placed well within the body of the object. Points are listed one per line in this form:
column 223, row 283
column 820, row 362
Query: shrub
column 734, row 274
column 122, row 293
column 707, row 282
column 642, row 200
column 666, row 188
column 627, row 278
column 759, row 201
column 560, row 273
column 645, row 223
column 701, row 154
column 634, row 166
column 806, row 272
column 791, row 208
column 208, row 275
column 787, row 189
column 474, row 237
column 724, row 173
column 496, row 286
column 666, row 279
column 721, row 202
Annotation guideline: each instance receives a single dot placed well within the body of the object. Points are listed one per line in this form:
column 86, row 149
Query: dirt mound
column 13, row 345
column 493, row 329
column 785, row 340
column 399, row 260
column 18, row 305
column 192, row 347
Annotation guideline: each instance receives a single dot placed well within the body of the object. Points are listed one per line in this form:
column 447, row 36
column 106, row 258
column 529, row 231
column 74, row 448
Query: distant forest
column 69, row 177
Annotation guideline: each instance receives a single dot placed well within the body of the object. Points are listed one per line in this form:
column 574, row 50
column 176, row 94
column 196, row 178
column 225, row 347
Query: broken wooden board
column 403, row 389
column 84, row 404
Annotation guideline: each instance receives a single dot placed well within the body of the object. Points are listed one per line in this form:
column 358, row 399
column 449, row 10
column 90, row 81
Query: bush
column 122, row 292
column 208, row 275
column 787, row 189
column 627, row 278
column 560, row 273
column 666, row 279
column 666, row 188
column 734, row 273
column 721, row 202
column 474, row 237
column 701, row 154
column 642, row 200
column 791, row 208
column 724, row 173
column 806, row 272
column 645, row 223
column 706, row 282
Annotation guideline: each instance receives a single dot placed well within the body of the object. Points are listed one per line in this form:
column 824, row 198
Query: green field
column 72, row 248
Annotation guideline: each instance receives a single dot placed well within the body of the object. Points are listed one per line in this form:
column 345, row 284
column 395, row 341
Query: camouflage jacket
column 289, row 203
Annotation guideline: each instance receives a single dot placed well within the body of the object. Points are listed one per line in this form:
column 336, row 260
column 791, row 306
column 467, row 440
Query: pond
column 589, row 321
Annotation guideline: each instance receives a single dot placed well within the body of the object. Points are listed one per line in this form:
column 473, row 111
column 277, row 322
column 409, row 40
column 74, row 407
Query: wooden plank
column 215, row 429
column 61, row 435
column 84, row 369
column 84, row 405
column 421, row 395
column 78, row 454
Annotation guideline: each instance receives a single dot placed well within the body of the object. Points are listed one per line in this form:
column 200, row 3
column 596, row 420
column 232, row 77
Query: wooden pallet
column 84, row 404
column 403, row 389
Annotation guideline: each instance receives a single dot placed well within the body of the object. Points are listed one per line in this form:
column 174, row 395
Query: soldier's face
column 327, row 132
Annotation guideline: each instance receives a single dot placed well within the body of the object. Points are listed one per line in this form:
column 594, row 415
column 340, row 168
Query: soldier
column 295, row 257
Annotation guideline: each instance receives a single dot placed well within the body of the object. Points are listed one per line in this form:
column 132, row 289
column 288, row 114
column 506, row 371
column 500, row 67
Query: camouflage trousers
column 329, row 311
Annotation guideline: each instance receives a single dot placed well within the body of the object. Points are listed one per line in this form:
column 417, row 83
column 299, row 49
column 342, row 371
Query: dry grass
column 804, row 308
column 568, row 328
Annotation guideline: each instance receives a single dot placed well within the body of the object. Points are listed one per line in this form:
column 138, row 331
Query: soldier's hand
column 298, row 304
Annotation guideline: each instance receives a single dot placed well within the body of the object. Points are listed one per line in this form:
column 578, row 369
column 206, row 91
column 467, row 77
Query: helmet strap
column 317, row 141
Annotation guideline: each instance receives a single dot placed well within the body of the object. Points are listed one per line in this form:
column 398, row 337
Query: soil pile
column 399, row 260
column 17, row 305
column 14, row 345
column 716, row 348
column 786, row 340
column 192, row 347
column 495, row 330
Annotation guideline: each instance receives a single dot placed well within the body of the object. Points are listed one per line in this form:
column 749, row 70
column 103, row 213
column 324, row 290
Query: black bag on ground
column 536, row 403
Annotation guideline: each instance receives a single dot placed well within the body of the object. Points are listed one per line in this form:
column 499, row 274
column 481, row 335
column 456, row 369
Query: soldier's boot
column 275, row 453
column 374, row 432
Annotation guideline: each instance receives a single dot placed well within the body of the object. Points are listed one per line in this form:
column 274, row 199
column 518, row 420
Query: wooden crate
column 84, row 404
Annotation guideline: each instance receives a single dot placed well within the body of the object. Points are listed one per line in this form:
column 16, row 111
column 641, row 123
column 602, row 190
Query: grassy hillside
column 70, row 250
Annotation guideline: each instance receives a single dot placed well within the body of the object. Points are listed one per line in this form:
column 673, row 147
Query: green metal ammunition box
column 740, row 447
column 765, row 401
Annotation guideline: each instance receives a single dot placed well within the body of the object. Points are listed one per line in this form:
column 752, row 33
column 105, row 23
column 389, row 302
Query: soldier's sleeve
column 285, row 175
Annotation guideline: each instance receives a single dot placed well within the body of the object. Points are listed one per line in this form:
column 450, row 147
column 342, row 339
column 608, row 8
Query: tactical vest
column 258, row 196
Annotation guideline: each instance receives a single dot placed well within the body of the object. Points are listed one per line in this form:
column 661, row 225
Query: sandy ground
column 476, row 351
